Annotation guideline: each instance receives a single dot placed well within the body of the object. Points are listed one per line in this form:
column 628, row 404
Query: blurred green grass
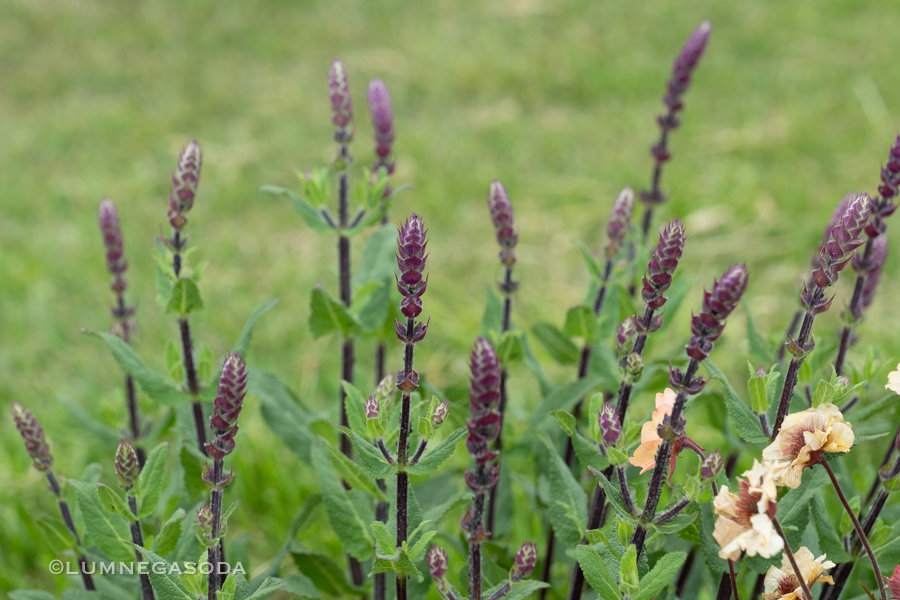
column 793, row 105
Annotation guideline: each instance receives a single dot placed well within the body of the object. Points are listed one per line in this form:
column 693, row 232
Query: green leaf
column 302, row 586
column 558, row 346
column 242, row 345
column 868, row 438
column 228, row 588
column 153, row 479
column 588, row 452
column 759, row 397
column 309, row 213
column 378, row 262
column 355, row 476
column 889, row 400
column 326, row 314
column 108, row 531
column 760, row 349
column 564, row 397
column 675, row 524
column 153, row 384
column 436, row 513
column 510, row 347
column 581, row 323
column 830, row 542
column 370, row 457
column 589, row 260
column 744, row 420
column 282, row 412
column 614, row 497
column 436, row 457
column 386, row 542
column 518, row 590
column 174, row 364
column 31, row 595
column 677, row 293
column 793, row 507
column 372, row 216
column 204, row 365
column 708, row 544
column 566, row 421
column 327, row 576
column 821, row 393
column 356, row 408
column 167, row 538
column 597, row 574
column 351, row 527
column 268, row 587
column 167, row 586
column 566, row 496
column 491, row 317
column 165, row 276
column 185, row 298
column 659, row 576
column 97, row 430
column 113, row 502
column 57, row 534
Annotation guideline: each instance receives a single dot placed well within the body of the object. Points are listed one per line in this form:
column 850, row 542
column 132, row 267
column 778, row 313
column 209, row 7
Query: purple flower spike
column 341, row 103
column 717, row 305
column 228, row 405
column 662, row 264
column 112, row 238
column 526, row 559
column 33, row 435
column 684, row 65
column 873, row 270
column 383, row 121
column 610, row 427
column 411, row 259
column 185, row 180
column 437, row 562
column 127, row 468
column 845, row 237
column 890, row 173
column 619, row 222
column 502, row 217
column 484, row 397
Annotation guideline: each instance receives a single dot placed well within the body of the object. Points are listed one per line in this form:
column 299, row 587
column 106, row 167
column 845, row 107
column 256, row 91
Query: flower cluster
column 228, row 405
column 185, row 180
column 890, row 182
column 717, row 305
column 619, row 222
column 484, row 423
column 502, row 217
column 745, row 519
column 662, row 264
column 127, row 467
column 33, row 435
column 845, row 237
column 341, row 102
column 112, row 240
column 383, row 122
column 783, row 583
column 411, row 257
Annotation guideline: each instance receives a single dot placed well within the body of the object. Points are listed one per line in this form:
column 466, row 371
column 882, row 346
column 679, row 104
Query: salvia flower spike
column 185, row 180
column 411, row 259
column 502, row 217
column 662, row 264
column 717, row 305
column 341, row 102
column 619, row 222
column 111, row 231
column 127, row 468
column 33, row 435
column 228, row 404
column 383, row 123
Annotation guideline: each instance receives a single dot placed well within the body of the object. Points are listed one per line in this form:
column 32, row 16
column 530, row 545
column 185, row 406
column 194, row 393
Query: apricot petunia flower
column 745, row 519
column 803, row 438
column 645, row 454
column 782, row 584
column 893, row 383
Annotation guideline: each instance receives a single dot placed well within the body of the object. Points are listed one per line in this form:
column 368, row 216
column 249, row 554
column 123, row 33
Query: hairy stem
column 402, row 456
column 798, row 574
column 791, row 331
column 70, row 525
column 657, row 176
column 137, row 537
column 790, row 380
column 855, row 308
column 212, row 553
column 475, row 536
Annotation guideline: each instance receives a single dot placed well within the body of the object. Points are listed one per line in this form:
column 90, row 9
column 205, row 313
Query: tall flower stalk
column 127, row 472
column 411, row 257
column 223, row 426
column 868, row 265
column 616, row 231
column 123, row 315
column 39, row 450
column 631, row 340
column 484, row 428
column 834, row 255
column 501, row 211
column 676, row 87
column 185, row 180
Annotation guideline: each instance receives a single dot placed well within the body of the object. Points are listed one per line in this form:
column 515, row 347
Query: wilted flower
column 526, row 559
column 372, row 408
column 437, row 562
column 127, row 468
column 745, row 519
column 802, row 440
column 782, row 584
column 440, row 413
column 711, row 466
column 893, row 583
column 645, row 454
column 33, row 434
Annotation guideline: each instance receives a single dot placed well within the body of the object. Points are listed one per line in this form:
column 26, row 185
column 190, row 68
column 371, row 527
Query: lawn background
column 793, row 105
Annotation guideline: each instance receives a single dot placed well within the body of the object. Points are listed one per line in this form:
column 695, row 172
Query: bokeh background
column 793, row 105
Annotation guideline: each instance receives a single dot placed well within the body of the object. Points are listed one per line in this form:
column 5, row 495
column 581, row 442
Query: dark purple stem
column 402, row 456
column 137, row 537
column 70, row 525
column 475, row 542
column 212, row 553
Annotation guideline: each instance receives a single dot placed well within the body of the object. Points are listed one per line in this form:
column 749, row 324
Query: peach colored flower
column 893, row 383
column 893, row 583
column 745, row 522
column 645, row 454
column 803, row 438
column 782, row 584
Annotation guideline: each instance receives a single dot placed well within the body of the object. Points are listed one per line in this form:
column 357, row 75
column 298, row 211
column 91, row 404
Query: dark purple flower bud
column 33, row 435
column 870, row 284
column 526, row 559
column 662, row 264
column 846, row 236
column 619, row 222
column 483, row 482
column 890, row 173
column 382, row 120
column 502, row 217
column 372, row 408
column 684, row 65
column 204, row 520
column 185, row 180
column 440, row 413
column 712, row 466
column 411, row 257
column 610, row 427
column 112, row 239
column 484, row 382
column 341, row 103
column 437, row 562
column 127, row 468
column 717, row 305
column 625, row 337
column 228, row 405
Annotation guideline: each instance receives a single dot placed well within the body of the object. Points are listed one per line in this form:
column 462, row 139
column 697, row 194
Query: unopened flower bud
column 634, row 367
column 382, row 120
column 625, row 337
column 112, row 237
column 501, row 210
column 684, row 65
column 341, row 102
column 712, row 466
column 372, row 408
column 619, row 221
column 33, row 435
column 127, row 468
column 437, row 562
column 526, row 559
column 610, row 427
column 204, row 519
column 185, row 180
column 440, row 413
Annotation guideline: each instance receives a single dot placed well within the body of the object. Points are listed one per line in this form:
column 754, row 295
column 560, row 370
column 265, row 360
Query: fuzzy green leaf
column 301, row 586
column 167, row 586
column 109, row 531
column 327, row 576
column 309, row 213
column 581, row 323
column 185, row 298
column 590, row 261
column 57, row 534
column 113, row 502
column 282, row 412
column 326, row 314
column 614, row 497
column 31, row 595
column 356, row 408
column 588, row 452
column 597, row 574
column 153, row 384
column 518, row 590
column 564, row 397
column 167, row 538
column 830, row 542
column 744, row 420
column 659, row 576
column 268, row 587
column 242, row 345
column 436, row 457
column 351, row 527
column 708, row 544
column 558, row 346
column 355, row 476
column 491, row 317
column 153, row 479
column 435, row 513
column 566, row 497
column 369, row 456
